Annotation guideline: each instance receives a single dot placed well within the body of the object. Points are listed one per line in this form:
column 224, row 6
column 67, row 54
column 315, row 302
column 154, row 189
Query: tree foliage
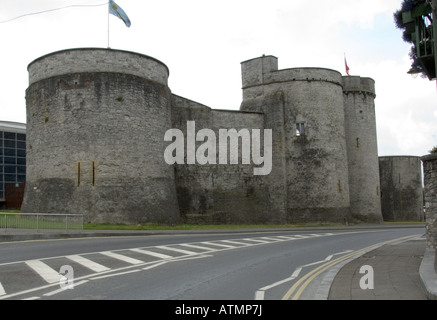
column 408, row 5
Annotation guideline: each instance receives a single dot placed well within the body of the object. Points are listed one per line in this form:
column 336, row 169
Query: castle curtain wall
column 97, row 120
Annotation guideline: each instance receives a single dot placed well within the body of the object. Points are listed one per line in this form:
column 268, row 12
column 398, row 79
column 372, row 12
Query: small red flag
column 347, row 67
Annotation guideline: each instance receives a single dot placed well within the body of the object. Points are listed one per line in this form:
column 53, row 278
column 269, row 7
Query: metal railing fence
column 40, row 221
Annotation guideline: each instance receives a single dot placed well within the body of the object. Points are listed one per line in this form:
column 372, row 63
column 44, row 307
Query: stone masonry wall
column 97, row 60
column 430, row 179
column 215, row 193
column 312, row 167
column 401, row 188
column 95, row 139
column 362, row 148
column 96, row 125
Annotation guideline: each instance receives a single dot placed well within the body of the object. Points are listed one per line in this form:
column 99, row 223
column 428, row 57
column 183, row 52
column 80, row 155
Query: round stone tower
column 362, row 148
column 304, row 107
column 96, row 120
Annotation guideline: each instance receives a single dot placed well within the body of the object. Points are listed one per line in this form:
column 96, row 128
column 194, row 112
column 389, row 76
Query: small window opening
column 300, row 129
column 93, row 182
column 78, row 174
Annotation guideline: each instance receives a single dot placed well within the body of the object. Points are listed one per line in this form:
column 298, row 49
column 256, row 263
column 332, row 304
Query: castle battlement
column 82, row 60
column 355, row 84
column 264, row 70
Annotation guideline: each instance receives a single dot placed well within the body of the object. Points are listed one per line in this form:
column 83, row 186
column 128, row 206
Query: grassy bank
column 197, row 227
column 93, row 226
column 218, row 227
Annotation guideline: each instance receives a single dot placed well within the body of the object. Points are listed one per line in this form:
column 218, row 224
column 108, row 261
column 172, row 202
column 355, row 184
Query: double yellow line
column 299, row 287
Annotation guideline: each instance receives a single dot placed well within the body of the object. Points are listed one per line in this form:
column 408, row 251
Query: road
column 226, row 266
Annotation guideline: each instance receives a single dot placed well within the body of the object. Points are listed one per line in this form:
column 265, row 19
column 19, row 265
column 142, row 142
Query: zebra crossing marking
column 94, row 266
column 256, row 240
column 121, row 257
column 190, row 253
column 270, row 239
column 287, row 238
column 47, row 273
column 2, row 290
column 51, row 276
column 219, row 245
column 244, row 244
column 153, row 254
column 197, row 247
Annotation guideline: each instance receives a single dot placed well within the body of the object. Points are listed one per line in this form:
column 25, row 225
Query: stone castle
column 96, row 121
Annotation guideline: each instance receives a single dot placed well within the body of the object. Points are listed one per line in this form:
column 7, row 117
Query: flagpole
column 108, row 23
column 114, row 9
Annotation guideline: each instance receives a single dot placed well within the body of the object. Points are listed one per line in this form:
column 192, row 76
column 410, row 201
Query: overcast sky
column 203, row 43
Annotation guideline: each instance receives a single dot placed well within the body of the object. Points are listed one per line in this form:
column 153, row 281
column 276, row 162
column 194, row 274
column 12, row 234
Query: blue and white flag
column 119, row 13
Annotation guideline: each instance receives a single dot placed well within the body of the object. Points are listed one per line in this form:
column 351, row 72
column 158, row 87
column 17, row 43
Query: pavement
column 401, row 271
column 404, row 270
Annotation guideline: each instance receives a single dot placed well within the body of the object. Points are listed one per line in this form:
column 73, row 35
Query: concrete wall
column 430, row 179
column 401, row 188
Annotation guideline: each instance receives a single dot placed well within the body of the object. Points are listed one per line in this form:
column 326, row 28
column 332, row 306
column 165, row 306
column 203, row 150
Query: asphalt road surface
column 225, row 266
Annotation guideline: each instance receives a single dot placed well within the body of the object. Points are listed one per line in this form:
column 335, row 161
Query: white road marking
column 47, row 273
column 256, row 240
column 151, row 253
column 328, row 258
column 271, row 239
column 94, row 266
column 2, row 290
column 286, row 238
column 156, row 265
column 190, row 253
column 236, row 242
column 314, row 263
column 52, row 276
column 52, row 293
column 121, row 257
column 115, row 274
column 197, row 247
column 219, row 245
column 259, row 295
